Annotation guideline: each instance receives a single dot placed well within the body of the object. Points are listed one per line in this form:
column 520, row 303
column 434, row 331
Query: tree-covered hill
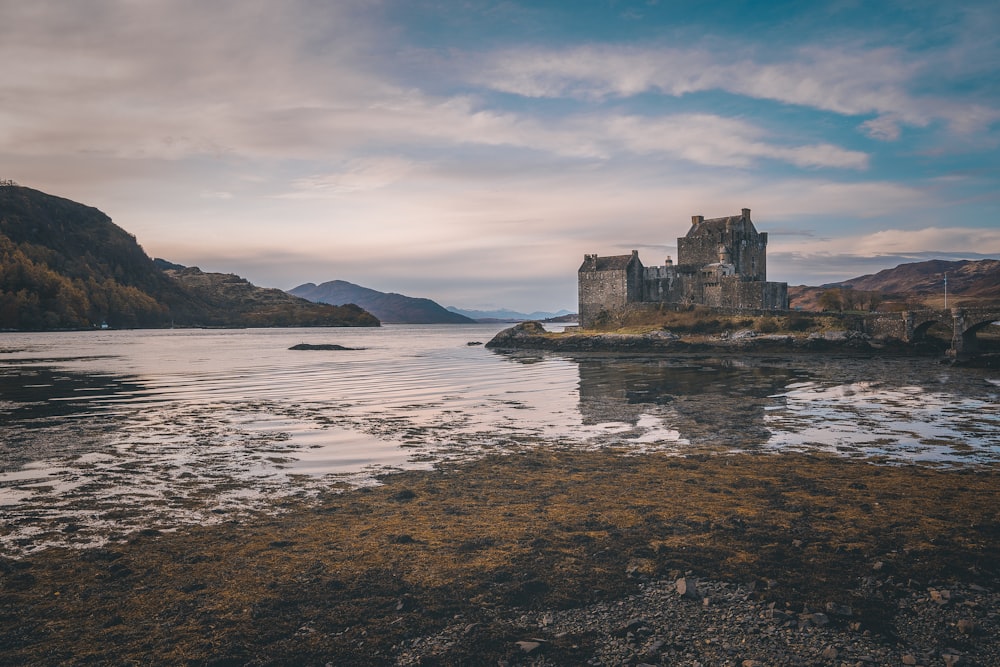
column 64, row 265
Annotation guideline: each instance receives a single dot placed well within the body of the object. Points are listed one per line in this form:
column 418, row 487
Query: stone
column 829, row 653
column 909, row 659
column 528, row 646
column 839, row 609
column 687, row 589
column 653, row 650
column 940, row 597
column 950, row 659
column 966, row 626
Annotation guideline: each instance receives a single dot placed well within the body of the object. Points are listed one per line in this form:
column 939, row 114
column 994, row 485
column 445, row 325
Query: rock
column 663, row 334
column 966, row 626
column 686, row 589
column 950, row 659
column 653, row 650
column 829, row 653
column 473, row 342
column 528, row 646
column 909, row 659
column 940, row 597
column 839, row 609
column 324, row 346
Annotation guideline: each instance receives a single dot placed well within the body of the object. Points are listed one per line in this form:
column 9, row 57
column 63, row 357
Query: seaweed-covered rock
column 517, row 335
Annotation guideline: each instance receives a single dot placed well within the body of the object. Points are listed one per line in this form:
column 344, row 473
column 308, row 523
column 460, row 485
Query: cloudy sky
column 472, row 151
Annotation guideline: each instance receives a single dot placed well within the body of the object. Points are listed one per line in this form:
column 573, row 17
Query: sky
column 472, row 151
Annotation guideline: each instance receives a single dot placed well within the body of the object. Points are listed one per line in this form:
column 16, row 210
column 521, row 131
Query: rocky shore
column 533, row 336
column 547, row 557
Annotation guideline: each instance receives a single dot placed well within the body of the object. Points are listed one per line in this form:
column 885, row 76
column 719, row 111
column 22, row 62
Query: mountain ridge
column 920, row 284
column 507, row 315
column 389, row 307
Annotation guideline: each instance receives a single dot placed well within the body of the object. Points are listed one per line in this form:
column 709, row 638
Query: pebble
column 663, row 625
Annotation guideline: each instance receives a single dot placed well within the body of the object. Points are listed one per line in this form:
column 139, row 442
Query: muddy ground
column 485, row 562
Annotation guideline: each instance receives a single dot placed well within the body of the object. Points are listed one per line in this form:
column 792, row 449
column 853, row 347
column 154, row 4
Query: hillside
column 973, row 279
column 918, row 283
column 233, row 301
column 64, row 265
column 390, row 308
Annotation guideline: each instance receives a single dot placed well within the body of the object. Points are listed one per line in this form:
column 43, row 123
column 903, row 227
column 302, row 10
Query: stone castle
column 721, row 263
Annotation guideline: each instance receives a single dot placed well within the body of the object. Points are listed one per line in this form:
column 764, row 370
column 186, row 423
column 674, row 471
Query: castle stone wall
column 722, row 263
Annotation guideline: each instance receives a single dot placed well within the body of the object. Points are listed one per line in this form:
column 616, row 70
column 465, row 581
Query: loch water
column 107, row 432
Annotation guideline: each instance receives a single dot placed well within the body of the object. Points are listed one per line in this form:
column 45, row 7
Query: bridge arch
column 923, row 323
column 967, row 325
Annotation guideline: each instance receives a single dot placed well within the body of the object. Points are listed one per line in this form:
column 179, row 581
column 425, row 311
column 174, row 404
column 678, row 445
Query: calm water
column 105, row 432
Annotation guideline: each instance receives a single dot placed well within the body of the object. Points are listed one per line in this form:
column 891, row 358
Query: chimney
column 697, row 219
column 669, row 262
column 746, row 214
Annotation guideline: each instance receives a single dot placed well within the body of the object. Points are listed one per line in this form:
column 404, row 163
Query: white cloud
column 713, row 140
column 172, row 86
column 851, row 80
column 884, row 128
column 362, row 174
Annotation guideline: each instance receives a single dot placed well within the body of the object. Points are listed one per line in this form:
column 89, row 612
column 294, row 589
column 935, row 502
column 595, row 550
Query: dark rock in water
column 473, row 342
column 324, row 346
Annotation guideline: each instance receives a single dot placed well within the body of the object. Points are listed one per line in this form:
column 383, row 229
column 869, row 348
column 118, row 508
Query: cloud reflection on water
column 104, row 433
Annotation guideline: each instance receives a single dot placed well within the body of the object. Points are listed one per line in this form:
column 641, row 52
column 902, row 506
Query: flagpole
column 946, row 291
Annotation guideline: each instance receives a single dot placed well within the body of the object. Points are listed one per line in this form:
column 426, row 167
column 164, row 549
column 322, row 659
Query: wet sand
column 484, row 562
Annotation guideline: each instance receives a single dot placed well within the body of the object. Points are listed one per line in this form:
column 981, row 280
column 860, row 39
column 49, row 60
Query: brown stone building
column 721, row 263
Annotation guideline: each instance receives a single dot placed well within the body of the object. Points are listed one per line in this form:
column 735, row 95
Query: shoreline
column 531, row 336
column 548, row 557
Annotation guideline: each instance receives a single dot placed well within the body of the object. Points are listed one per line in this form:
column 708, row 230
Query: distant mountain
column 969, row 283
column 505, row 315
column 390, row 308
column 64, row 265
column 980, row 279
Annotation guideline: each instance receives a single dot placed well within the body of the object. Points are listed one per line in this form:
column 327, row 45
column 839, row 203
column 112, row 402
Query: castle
column 721, row 263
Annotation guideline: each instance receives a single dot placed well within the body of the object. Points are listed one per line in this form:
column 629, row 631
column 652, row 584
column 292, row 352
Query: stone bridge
column 912, row 325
